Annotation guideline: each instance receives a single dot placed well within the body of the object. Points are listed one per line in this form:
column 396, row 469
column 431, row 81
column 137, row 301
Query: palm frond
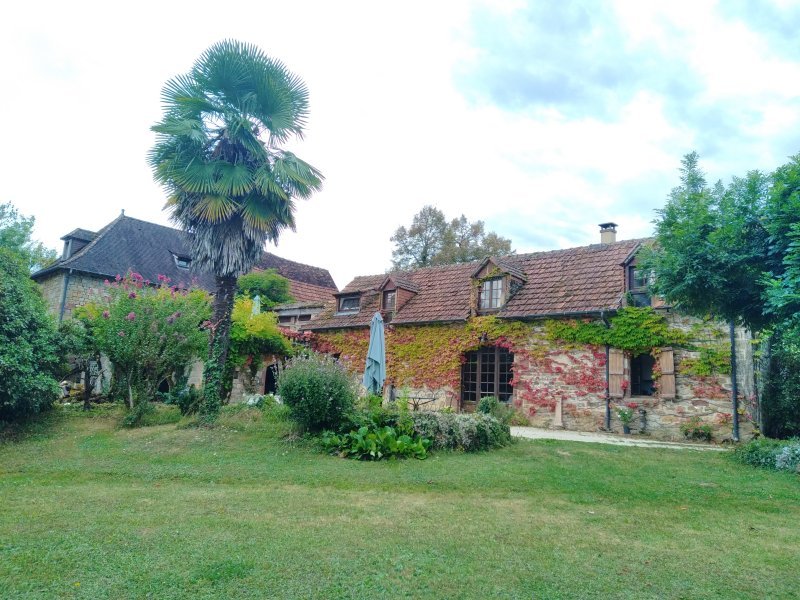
column 214, row 209
column 233, row 180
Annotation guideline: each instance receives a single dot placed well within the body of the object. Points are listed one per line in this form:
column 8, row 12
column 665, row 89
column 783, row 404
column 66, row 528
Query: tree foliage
column 218, row 156
column 255, row 335
column 431, row 240
column 148, row 333
column 271, row 288
column 733, row 252
column 16, row 235
column 29, row 343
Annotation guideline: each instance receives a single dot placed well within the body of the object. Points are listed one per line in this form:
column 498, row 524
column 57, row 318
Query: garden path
column 535, row 433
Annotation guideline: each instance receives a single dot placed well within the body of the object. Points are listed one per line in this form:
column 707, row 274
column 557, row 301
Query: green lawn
column 91, row 511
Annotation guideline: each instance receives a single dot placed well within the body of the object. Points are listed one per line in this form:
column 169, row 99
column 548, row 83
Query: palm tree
column 229, row 183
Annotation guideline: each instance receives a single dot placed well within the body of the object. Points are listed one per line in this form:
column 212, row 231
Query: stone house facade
column 127, row 244
column 458, row 333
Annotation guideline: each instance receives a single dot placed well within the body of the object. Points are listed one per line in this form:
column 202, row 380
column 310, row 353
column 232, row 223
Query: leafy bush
column 29, row 344
column 376, row 443
column 185, row 397
column 369, row 411
column 253, row 336
column 695, row 429
column 458, row 431
column 781, row 396
column 318, row 391
column 148, row 332
column 776, row 455
column 501, row 411
column 271, row 288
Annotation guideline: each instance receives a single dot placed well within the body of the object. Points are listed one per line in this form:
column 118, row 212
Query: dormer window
column 389, row 300
column 182, row 262
column 349, row 304
column 638, row 281
column 491, row 294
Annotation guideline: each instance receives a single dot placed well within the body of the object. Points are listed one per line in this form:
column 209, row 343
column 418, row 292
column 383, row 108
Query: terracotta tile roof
column 297, row 271
column 573, row 281
column 307, row 292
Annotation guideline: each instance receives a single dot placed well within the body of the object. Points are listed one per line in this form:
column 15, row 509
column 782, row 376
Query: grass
column 90, row 510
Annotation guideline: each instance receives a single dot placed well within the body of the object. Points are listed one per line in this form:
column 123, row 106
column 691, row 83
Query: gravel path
column 534, row 433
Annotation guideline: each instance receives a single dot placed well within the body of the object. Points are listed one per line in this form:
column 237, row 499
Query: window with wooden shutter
column 666, row 383
column 616, row 372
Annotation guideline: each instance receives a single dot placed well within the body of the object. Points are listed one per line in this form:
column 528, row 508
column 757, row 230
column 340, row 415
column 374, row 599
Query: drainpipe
column 64, row 296
column 608, row 392
column 734, row 385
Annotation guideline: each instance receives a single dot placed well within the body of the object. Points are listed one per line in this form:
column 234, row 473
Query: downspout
column 734, row 385
column 608, row 391
column 64, row 296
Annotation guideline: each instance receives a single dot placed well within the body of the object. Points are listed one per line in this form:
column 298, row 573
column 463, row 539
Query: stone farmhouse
column 457, row 333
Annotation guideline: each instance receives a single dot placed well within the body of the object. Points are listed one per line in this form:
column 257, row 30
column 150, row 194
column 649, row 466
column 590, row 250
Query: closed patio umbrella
column 375, row 369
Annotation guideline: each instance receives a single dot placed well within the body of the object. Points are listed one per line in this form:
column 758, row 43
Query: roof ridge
column 100, row 234
column 503, row 257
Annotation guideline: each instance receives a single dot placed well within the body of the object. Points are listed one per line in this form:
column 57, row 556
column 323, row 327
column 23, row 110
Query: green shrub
column 501, row 411
column 376, row 443
column 318, row 391
column 458, row 431
column 29, row 344
column 781, row 394
column 369, row 411
column 148, row 330
column 695, row 429
column 185, row 397
column 776, row 455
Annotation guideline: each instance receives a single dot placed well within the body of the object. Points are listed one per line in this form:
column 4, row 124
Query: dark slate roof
column 81, row 234
column 149, row 249
column 574, row 281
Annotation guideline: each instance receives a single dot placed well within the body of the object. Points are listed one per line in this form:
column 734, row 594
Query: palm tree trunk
column 223, row 307
column 221, row 330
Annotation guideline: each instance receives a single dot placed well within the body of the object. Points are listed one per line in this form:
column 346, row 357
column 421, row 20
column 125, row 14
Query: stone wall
column 82, row 289
column 564, row 385
column 52, row 287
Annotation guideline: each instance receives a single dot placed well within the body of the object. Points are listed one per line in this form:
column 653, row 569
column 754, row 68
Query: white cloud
column 390, row 128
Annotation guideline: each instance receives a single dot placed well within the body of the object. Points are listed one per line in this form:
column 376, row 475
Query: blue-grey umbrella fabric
column 375, row 369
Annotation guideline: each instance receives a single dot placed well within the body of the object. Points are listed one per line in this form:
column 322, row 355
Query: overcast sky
column 540, row 118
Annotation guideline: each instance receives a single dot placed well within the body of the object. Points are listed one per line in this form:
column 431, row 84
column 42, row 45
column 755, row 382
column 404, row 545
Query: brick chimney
column 608, row 233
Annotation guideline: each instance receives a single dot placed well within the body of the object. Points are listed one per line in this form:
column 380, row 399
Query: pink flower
column 121, row 334
column 106, row 314
column 132, row 295
column 632, row 405
column 131, row 316
column 118, row 278
column 106, row 282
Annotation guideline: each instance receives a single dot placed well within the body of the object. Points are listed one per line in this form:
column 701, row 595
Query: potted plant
column 625, row 414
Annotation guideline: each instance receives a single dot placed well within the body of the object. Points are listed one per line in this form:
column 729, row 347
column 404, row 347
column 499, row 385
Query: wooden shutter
column 666, row 384
column 616, row 372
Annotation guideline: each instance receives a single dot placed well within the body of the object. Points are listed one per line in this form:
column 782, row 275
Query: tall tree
column 16, row 233
column 417, row 246
column 431, row 240
column 710, row 251
column 229, row 183
column 734, row 253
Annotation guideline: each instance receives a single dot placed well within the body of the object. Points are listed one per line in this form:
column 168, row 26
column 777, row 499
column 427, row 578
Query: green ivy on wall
column 634, row 329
